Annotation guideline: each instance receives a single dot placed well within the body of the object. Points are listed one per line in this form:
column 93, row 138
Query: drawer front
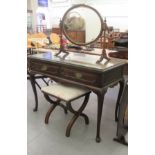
column 44, row 68
column 112, row 76
column 80, row 76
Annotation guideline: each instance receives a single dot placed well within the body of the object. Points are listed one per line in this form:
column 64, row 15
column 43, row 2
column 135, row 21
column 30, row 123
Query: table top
column 80, row 60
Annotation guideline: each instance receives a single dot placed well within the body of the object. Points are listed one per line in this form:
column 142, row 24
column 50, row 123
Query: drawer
column 112, row 76
column 44, row 67
column 80, row 76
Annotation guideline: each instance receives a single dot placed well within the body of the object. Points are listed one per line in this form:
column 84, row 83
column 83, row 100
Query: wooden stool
column 67, row 94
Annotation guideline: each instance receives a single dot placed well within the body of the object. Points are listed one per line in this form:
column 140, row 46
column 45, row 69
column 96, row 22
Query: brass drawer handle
column 44, row 68
column 78, row 75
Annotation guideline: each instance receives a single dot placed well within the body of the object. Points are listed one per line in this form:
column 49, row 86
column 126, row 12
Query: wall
column 56, row 12
column 32, row 5
column 29, row 7
column 116, row 11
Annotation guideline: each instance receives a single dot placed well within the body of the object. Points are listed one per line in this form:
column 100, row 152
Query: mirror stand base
column 103, row 55
column 66, row 54
column 62, row 51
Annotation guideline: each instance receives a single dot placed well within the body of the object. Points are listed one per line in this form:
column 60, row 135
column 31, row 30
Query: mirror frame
column 78, row 6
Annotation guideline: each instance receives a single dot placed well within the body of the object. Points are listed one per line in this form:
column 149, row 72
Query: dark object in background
column 122, row 54
column 122, row 42
column 74, row 47
column 110, row 28
column 121, row 46
column 49, row 40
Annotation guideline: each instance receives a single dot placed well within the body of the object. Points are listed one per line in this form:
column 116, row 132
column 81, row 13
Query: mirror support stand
column 62, row 48
column 104, row 54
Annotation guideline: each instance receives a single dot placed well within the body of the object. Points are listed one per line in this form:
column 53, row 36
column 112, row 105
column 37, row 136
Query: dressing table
column 79, row 70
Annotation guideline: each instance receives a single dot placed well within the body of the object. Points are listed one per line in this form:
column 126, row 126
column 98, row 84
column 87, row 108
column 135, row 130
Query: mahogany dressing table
column 79, row 70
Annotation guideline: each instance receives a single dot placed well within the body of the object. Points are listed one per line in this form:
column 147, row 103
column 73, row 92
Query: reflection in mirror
column 82, row 25
column 74, row 22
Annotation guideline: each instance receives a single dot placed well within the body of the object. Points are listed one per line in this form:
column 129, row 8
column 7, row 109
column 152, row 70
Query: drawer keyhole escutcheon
column 78, row 75
column 44, row 68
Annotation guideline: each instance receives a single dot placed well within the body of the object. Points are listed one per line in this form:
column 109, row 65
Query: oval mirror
column 82, row 25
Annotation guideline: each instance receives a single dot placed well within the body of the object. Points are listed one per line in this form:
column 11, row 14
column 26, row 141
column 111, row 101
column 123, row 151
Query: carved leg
column 69, row 106
column 45, row 81
column 49, row 113
column 100, row 96
column 121, row 83
column 55, row 102
column 85, row 117
column 64, row 107
column 77, row 114
column 32, row 79
column 37, row 84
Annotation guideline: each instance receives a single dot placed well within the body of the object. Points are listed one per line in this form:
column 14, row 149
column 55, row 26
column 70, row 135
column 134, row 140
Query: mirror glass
column 82, row 25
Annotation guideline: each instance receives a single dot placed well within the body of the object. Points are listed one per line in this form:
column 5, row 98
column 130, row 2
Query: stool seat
column 64, row 92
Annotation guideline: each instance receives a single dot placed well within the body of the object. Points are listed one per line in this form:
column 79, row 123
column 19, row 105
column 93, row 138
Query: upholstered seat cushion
column 64, row 92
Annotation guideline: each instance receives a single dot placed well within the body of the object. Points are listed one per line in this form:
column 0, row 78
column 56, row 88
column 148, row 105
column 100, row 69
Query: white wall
column 46, row 12
column 56, row 12
column 29, row 7
column 32, row 5
column 116, row 11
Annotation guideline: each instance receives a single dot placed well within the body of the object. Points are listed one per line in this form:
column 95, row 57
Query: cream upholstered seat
column 66, row 93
